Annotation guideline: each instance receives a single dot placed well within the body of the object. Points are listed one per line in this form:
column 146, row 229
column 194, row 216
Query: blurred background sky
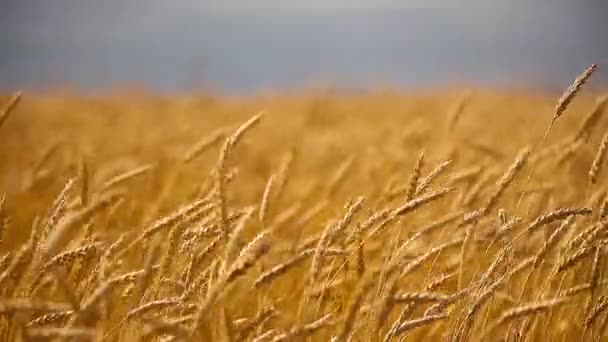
column 250, row 45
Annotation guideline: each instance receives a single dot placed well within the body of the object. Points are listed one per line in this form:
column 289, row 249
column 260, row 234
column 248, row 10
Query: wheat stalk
column 599, row 160
column 569, row 95
column 9, row 107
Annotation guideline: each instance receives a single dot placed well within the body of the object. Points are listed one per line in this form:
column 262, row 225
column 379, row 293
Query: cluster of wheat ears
column 456, row 224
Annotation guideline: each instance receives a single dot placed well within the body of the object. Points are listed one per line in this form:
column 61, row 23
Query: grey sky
column 254, row 44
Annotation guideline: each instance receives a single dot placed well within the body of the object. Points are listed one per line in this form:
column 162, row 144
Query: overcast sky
column 255, row 44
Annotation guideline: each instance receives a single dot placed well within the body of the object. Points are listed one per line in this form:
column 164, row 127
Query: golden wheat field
column 441, row 216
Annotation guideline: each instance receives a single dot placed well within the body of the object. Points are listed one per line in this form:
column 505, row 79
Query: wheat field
column 449, row 216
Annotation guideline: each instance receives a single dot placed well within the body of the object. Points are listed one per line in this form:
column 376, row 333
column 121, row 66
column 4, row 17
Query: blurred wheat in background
column 317, row 216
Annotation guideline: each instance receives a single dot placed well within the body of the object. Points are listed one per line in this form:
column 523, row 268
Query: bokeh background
column 245, row 46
